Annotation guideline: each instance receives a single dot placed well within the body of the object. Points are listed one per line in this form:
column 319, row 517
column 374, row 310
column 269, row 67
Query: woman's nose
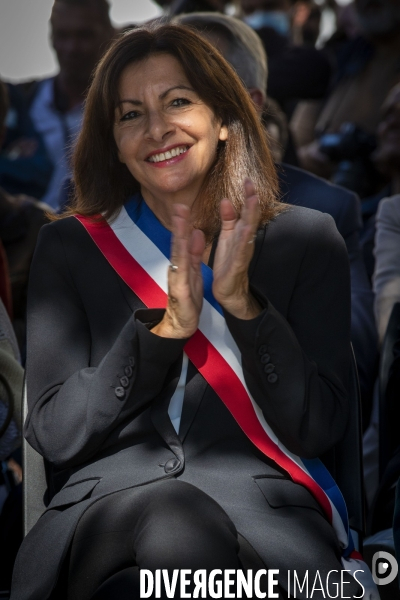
column 158, row 125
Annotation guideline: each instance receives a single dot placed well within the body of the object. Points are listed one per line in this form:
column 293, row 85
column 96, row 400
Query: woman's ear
column 223, row 133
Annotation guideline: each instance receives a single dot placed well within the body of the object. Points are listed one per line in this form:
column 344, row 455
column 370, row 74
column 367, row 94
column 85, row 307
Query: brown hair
column 103, row 183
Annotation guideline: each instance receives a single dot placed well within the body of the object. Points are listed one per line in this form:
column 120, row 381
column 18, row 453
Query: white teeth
column 169, row 154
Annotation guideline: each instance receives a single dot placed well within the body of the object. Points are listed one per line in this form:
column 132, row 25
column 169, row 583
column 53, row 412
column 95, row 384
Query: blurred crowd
column 331, row 110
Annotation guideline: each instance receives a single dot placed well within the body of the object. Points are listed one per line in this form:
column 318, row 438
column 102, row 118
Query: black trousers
column 164, row 525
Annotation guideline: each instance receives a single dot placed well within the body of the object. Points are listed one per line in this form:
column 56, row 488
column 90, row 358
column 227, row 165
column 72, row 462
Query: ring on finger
column 173, row 268
column 252, row 239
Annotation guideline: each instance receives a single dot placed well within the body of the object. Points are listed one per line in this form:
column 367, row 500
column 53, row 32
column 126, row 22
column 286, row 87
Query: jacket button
column 272, row 378
column 131, row 361
column 172, row 465
column 265, row 359
column 119, row 392
column 269, row 368
column 128, row 371
column 124, row 381
column 262, row 349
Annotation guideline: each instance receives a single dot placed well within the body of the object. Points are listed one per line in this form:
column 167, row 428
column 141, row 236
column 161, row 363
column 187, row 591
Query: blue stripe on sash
column 321, row 475
column 146, row 220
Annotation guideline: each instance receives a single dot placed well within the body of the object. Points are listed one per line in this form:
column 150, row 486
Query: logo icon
column 384, row 568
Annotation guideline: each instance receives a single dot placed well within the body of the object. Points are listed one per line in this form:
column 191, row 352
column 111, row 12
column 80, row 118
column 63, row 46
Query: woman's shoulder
column 67, row 231
column 300, row 225
column 64, row 226
column 64, row 240
column 301, row 240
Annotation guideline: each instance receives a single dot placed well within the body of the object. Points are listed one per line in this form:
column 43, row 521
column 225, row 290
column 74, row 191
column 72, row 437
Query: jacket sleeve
column 72, row 405
column 297, row 367
column 387, row 261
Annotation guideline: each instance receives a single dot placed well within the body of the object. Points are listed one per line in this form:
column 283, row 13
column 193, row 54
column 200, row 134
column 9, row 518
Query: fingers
column 185, row 283
column 180, row 237
column 246, row 225
column 196, row 247
column 228, row 215
column 251, row 209
column 249, row 189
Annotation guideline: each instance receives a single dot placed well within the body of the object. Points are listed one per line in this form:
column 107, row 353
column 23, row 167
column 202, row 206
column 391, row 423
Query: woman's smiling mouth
column 172, row 155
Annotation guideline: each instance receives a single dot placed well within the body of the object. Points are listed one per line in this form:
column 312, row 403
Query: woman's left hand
column 233, row 255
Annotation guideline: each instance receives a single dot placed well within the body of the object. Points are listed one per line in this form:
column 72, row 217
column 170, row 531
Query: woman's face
column 165, row 134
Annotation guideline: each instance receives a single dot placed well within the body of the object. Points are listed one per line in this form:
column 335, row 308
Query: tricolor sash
column 138, row 246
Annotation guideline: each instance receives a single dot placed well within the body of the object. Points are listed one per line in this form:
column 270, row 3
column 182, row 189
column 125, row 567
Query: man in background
column 80, row 33
column 21, row 218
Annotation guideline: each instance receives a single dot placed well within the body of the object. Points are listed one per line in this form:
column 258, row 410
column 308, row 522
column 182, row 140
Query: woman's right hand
column 185, row 283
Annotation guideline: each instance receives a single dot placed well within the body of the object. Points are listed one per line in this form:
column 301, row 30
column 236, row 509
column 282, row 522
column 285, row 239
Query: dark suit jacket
column 301, row 188
column 87, row 331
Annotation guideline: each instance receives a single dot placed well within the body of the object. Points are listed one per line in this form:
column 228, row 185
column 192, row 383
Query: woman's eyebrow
column 175, row 87
column 161, row 96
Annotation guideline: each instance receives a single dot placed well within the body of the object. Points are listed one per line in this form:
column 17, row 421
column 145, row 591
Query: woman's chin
column 171, row 188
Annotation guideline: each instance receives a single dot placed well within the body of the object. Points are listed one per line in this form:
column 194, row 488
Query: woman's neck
column 162, row 208
column 162, row 205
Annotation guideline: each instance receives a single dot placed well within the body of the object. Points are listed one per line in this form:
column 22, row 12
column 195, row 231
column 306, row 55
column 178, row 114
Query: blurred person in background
column 295, row 71
column 387, row 247
column 268, row 13
column 368, row 67
column 21, row 218
column 241, row 47
column 347, row 29
column 25, row 167
column 386, row 159
column 386, row 280
column 306, row 18
column 381, row 245
column 80, row 32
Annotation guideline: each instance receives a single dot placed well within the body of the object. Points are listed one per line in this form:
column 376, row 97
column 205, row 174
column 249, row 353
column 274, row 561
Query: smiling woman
column 173, row 58
column 188, row 344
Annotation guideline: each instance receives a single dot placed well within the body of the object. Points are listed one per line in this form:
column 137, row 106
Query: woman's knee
column 182, row 527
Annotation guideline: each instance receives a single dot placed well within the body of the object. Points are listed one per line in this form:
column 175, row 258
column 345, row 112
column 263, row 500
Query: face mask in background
column 276, row 19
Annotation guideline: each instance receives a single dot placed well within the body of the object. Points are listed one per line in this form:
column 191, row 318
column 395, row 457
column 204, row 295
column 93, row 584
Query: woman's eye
column 180, row 102
column 132, row 114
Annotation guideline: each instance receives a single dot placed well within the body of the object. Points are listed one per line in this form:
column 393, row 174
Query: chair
column 34, row 483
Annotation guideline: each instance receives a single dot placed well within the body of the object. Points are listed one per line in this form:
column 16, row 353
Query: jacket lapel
column 195, row 388
column 130, row 297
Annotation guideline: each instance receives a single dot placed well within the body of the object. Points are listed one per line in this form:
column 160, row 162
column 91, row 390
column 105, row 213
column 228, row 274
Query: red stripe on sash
column 213, row 367
column 123, row 263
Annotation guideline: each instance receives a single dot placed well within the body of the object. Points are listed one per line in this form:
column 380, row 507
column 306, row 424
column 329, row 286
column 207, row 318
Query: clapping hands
column 230, row 269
